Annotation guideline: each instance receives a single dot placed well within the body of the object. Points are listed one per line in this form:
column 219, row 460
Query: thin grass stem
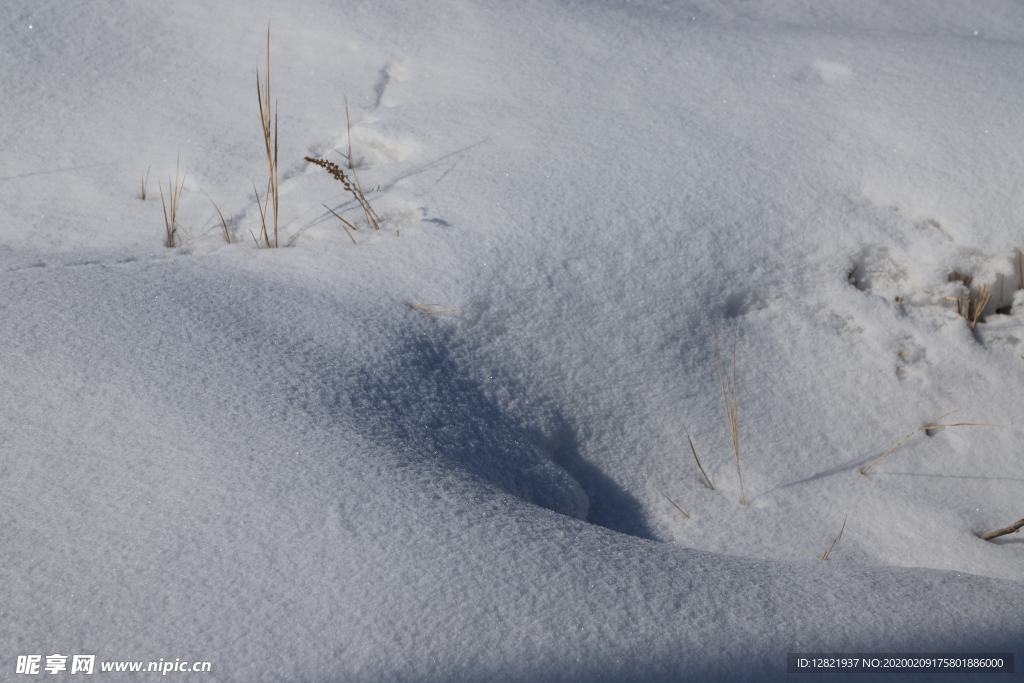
column 697, row 460
column 729, row 399
column 223, row 223
column 344, row 223
column 270, row 142
column 829, row 551
column 348, row 129
column 934, row 424
column 683, row 512
column 263, row 218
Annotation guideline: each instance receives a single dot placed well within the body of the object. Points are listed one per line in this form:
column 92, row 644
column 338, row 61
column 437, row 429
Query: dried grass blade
column 730, row 394
column 934, row 424
column 263, row 218
column 694, row 451
column 167, row 222
column 344, row 223
column 829, row 551
column 220, row 216
column 673, row 502
column 270, row 141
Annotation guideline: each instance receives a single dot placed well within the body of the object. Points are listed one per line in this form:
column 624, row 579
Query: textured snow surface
column 444, row 453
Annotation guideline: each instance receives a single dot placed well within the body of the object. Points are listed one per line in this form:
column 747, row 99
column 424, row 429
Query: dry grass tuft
column 349, row 181
column 352, row 185
column 171, row 216
column 829, row 551
column 1013, row 528
column 681, row 511
column 145, row 184
column 729, row 400
column 934, row 424
column 270, row 143
column 971, row 301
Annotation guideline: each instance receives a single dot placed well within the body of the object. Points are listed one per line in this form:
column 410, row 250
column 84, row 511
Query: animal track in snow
column 381, row 85
column 875, row 271
column 911, row 354
column 371, row 148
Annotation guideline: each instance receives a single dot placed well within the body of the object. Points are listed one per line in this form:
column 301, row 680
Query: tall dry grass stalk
column 934, row 424
column 174, row 189
column 270, row 144
column 730, row 395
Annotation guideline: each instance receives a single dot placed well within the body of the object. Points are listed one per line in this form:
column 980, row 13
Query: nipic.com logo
column 34, row 665
column 55, row 664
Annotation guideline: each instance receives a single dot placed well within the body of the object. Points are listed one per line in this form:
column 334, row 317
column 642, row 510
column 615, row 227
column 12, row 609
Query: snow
column 292, row 464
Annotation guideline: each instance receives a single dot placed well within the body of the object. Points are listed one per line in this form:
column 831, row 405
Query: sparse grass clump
column 174, row 189
column 971, row 301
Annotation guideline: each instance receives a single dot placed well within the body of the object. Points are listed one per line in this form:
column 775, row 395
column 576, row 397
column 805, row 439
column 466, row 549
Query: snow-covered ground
column 445, row 453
